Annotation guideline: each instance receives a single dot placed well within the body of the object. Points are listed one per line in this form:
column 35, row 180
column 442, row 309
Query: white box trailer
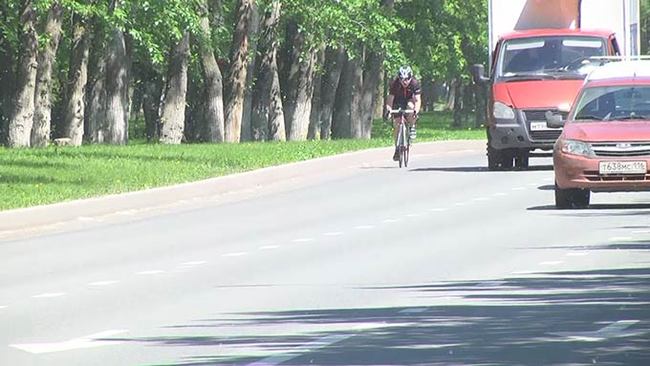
column 621, row 16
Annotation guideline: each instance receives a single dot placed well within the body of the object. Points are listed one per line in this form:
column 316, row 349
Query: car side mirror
column 478, row 74
column 554, row 120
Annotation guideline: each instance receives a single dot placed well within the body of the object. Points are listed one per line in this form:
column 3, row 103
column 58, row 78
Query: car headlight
column 576, row 148
column 502, row 111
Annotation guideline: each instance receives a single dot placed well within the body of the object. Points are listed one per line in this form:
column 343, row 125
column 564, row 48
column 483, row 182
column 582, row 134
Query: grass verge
column 30, row 177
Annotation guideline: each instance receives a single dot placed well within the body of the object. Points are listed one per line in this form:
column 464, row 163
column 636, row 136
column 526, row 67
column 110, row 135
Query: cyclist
column 404, row 93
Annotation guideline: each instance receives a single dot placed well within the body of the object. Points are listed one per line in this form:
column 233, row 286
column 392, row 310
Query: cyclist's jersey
column 403, row 94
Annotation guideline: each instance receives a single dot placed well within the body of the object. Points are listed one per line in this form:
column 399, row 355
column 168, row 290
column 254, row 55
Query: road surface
column 346, row 260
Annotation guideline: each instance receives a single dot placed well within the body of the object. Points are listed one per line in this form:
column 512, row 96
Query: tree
column 267, row 115
column 22, row 115
column 74, row 113
column 237, row 72
column 173, row 109
column 213, row 97
column 40, row 134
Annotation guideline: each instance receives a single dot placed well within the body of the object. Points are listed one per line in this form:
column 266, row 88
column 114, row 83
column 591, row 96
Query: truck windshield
column 539, row 55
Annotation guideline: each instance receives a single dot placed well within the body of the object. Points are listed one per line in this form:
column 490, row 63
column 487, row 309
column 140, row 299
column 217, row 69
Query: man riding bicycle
column 404, row 93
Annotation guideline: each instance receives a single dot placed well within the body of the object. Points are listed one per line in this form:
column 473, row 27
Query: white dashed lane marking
column 302, row 240
column 90, row 341
column 620, row 238
column 151, row 272
column 390, row 221
column 102, row 283
column 238, row 254
column 48, row 295
column 269, row 247
column 551, row 263
column 577, row 254
column 364, row 227
column 193, row 263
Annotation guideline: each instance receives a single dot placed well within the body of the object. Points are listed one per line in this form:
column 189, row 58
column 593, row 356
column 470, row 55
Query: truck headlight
column 502, row 111
column 576, row 148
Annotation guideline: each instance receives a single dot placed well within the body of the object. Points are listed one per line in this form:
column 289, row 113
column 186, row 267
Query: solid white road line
column 93, row 340
column 49, row 295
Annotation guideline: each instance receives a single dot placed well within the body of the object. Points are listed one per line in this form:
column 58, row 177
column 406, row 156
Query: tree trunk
column 458, row 103
column 213, row 97
column 356, row 72
column 152, row 100
column 172, row 117
column 334, row 59
column 314, row 118
column 117, row 90
column 371, row 80
column 237, row 72
column 6, row 79
column 95, row 119
column 267, row 115
column 246, row 128
column 43, row 95
column 22, row 116
column 341, row 123
column 73, row 122
column 299, row 88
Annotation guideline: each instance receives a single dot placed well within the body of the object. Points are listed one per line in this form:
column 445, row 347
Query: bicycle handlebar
column 398, row 111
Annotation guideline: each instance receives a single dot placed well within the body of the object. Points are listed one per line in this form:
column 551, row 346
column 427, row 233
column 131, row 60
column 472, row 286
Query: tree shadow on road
column 476, row 169
column 571, row 317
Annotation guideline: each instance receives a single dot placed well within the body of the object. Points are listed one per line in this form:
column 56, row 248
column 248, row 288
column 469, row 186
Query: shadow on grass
column 576, row 317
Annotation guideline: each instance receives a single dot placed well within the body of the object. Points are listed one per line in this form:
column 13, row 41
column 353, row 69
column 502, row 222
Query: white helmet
column 405, row 73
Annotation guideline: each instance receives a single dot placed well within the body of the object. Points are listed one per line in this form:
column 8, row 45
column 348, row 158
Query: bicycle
column 403, row 139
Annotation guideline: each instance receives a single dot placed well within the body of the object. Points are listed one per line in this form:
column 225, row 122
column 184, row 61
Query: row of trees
column 222, row 70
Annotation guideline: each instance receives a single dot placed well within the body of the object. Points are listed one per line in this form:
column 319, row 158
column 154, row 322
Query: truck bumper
column 518, row 135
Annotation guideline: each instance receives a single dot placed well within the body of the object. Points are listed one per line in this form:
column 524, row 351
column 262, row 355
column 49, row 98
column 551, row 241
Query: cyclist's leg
column 396, row 127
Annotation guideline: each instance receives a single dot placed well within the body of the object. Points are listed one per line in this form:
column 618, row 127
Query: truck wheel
column 494, row 158
column 571, row 198
column 521, row 159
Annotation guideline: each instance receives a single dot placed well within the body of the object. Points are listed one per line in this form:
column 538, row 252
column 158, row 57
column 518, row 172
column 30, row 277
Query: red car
column 605, row 143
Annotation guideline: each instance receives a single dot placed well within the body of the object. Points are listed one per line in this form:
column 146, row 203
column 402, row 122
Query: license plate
column 539, row 126
column 623, row 167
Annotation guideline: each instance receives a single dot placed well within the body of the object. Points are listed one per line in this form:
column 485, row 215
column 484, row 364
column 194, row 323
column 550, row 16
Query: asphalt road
column 342, row 261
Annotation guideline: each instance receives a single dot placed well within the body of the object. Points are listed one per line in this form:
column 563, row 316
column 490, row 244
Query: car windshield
column 613, row 103
column 548, row 55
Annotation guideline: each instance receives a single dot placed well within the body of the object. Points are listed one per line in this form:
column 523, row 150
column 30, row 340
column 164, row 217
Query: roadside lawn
column 30, row 177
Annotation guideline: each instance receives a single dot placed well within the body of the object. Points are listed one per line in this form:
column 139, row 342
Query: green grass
column 31, row 177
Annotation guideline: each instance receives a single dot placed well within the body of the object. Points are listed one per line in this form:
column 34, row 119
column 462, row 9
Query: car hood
column 608, row 131
column 537, row 93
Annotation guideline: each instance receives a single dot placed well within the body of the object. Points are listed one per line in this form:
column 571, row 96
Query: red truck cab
column 533, row 72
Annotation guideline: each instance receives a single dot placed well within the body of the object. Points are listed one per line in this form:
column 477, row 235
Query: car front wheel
column 571, row 197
